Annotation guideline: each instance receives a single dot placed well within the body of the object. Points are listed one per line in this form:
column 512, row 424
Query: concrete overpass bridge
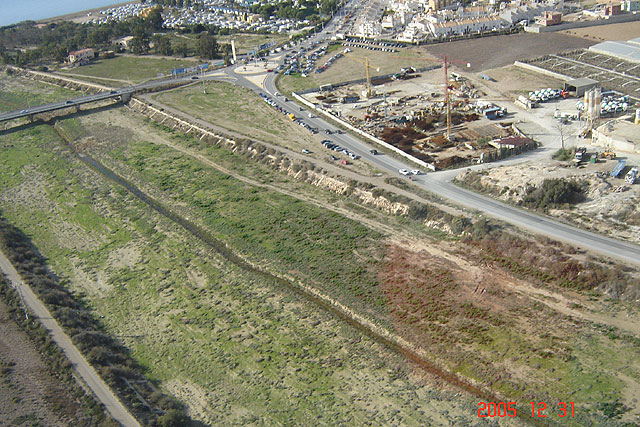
column 124, row 94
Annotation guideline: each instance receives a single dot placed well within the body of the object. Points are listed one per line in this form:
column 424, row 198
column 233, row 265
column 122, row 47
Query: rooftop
column 629, row 51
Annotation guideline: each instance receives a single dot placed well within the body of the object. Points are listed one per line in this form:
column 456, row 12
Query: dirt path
column 101, row 390
column 82, row 76
column 27, row 389
column 329, row 167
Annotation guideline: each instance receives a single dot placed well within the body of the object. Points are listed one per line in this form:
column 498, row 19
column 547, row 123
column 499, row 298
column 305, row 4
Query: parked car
column 305, row 151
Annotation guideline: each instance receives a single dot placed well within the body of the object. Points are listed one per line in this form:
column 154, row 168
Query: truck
column 580, row 152
column 525, row 102
column 494, row 113
column 631, row 176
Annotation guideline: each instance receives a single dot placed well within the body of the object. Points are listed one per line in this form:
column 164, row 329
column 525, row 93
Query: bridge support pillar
column 30, row 118
column 125, row 97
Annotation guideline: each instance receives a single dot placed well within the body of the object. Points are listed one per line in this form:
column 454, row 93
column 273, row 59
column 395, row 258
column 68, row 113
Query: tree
column 139, row 45
column 207, row 47
column 562, row 132
column 182, row 50
column 162, row 44
column 155, row 18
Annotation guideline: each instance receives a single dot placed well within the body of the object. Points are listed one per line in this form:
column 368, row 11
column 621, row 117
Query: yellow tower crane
column 365, row 61
column 447, row 87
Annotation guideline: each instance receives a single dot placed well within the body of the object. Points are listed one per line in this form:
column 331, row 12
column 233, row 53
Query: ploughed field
column 199, row 272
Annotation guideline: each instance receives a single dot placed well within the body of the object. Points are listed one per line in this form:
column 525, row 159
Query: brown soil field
column 29, row 394
column 623, row 31
column 493, row 52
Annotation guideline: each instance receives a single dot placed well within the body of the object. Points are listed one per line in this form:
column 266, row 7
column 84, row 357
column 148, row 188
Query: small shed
column 578, row 87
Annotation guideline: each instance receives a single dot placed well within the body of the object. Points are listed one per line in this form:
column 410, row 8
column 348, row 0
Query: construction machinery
column 369, row 93
column 608, row 154
column 447, row 87
column 631, row 176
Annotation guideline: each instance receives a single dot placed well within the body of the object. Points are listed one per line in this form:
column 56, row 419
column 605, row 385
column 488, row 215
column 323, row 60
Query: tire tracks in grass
column 388, row 339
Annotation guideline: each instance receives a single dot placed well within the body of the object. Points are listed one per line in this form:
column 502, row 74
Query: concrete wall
column 364, row 134
column 542, row 71
column 616, row 19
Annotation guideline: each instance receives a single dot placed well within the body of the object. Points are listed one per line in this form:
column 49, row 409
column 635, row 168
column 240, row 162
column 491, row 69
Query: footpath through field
column 101, row 390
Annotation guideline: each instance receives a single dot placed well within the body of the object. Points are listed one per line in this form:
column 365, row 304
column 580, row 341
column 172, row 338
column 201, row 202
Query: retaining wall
column 364, row 134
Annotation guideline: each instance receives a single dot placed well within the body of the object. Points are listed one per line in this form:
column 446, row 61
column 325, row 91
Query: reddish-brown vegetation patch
column 432, row 301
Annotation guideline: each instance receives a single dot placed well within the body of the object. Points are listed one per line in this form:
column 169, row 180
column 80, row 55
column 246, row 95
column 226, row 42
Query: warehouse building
column 629, row 50
column 578, row 87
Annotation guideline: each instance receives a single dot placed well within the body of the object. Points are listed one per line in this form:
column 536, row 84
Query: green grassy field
column 240, row 349
column 120, row 70
column 284, row 235
column 235, row 348
column 231, row 345
column 19, row 93
column 247, row 42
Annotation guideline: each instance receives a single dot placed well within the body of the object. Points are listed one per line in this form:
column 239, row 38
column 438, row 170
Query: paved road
column 114, row 93
column 101, row 390
column 440, row 183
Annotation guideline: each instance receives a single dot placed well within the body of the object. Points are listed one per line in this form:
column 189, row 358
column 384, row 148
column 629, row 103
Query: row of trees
column 54, row 42
column 304, row 9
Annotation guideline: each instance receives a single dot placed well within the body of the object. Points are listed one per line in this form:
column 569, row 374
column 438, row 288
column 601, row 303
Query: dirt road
column 102, row 391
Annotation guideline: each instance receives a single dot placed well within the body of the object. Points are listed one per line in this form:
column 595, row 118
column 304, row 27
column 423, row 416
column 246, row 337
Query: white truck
column 631, row 176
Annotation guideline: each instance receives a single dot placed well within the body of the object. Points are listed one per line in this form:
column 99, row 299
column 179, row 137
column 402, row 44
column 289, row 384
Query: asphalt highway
column 439, row 183
column 90, row 98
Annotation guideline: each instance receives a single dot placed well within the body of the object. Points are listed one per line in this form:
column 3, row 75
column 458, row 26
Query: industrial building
column 619, row 135
column 628, row 51
column 578, row 87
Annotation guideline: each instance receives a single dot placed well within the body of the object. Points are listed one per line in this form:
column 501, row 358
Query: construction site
column 413, row 112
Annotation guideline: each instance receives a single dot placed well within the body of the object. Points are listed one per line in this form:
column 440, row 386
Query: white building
column 80, row 56
column 466, row 26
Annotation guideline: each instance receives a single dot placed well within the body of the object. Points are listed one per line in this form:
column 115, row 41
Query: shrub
column 562, row 154
column 555, row 192
column 418, row 211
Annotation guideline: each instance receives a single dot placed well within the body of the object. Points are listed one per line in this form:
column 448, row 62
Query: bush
column 555, row 192
column 612, row 409
column 481, row 228
column 172, row 418
column 418, row 211
column 562, row 154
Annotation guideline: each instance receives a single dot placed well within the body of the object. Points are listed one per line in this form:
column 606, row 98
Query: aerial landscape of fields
column 223, row 250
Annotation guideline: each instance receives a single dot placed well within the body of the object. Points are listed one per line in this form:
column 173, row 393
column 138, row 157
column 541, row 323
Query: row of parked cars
column 331, row 146
column 271, row 102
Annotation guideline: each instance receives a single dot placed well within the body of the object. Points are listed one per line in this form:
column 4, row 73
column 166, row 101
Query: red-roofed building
column 80, row 56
